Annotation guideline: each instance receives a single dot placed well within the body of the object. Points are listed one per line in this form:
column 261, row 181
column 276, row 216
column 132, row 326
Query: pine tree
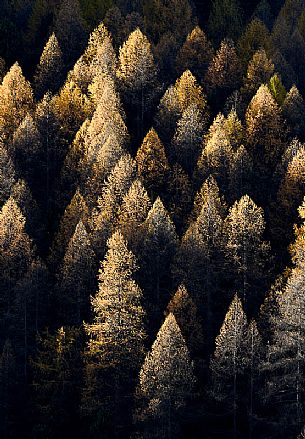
column 166, row 383
column 49, row 71
column 195, row 54
column 152, row 163
column 16, row 100
column 76, row 278
column 248, row 255
column 225, row 19
column 116, row 336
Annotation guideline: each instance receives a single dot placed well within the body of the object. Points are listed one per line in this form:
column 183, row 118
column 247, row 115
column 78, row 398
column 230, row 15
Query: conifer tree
column 187, row 140
column 248, row 254
column 7, row 174
column 225, row 19
column 156, row 250
column 104, row 216
column 75, row 211
column 224, row 72
column 183, row 307
column 168, row 114
column 116, row 338
column 16, row 255
column 256, row 37
column 284, row 360
column 189, row 92
column 26, row 146
column 260, row 69
column 234, row 366
column 16, row 100
column 133, row 212
column 294, row 112
column 49, row 71
column 202, row 247
column 195, row 54
column 277, row 89
column 137, row 71
column 166, row 383
column 264, row 125
column 179, row 196
column 76, row 278
column 152, row 163
column 157, row 16
column 70, row 29
column 241, row 173
column 8, row 389
column 56, row 382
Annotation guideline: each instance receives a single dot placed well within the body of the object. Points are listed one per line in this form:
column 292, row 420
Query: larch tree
column 265, row 129
column 179, row 196
column 16, row 100
column 133, row 212
column 116, row 338
column 157, row 247
column 104, row 216
column 157, row 16
column 49, row 71
column 241, row 172
column 7, row 174
column 183, row 307
column 294, row 111
column 189, row 91
column 224, row 72
column 166, row 383
column 285, row 359
column 137, row 75
column 256, row 37
column 76, row 278
column 260, row 69
column 75, row 211
column 186, row 144
column 152, row 163
column 26, row 146
column 202, row 247
column 195, row 54
column 248, row 254
column 16, row 255
column 225, row 19
column 57, row 371
column 8, row 389
column 234, row 366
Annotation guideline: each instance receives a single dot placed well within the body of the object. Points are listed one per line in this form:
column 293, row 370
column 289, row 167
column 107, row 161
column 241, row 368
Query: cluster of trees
column 152, row 224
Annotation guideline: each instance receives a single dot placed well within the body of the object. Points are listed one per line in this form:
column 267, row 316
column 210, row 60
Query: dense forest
column 152, row 219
